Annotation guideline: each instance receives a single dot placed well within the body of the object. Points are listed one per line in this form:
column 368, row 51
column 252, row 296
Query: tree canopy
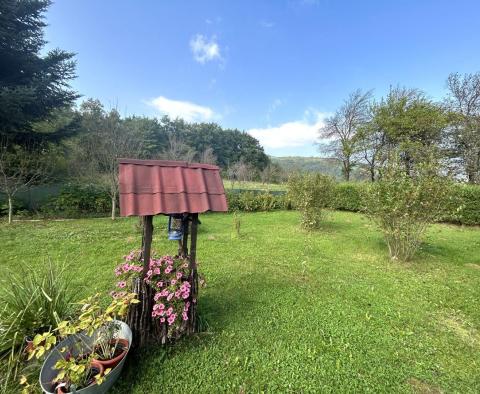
column 32, row 86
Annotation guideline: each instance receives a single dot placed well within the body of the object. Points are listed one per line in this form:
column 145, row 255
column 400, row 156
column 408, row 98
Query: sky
column 274, row 69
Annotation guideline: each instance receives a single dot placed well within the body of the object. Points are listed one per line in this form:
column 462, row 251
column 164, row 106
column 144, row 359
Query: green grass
column 292, row 312
column 254, row 186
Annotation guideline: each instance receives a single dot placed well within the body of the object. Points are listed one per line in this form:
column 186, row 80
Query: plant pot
column 48, row 373
column 98, row 369
column 113, row 362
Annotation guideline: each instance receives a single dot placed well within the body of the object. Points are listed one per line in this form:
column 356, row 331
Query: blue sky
column 272, row 68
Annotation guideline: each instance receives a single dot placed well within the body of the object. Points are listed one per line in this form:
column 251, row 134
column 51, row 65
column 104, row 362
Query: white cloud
column 205, row 49
column 186, row 110
column 291, row 134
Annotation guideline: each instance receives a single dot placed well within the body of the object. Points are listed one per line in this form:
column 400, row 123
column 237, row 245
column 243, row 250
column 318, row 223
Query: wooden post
column 193, row 317
column 147, row 242
column 186, row 225
column 139, row 317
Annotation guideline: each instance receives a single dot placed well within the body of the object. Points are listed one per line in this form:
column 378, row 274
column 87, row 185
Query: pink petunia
column 122, row 284
column 171, row 319
column 173, row 281
column 162, row 320
column 170, row 296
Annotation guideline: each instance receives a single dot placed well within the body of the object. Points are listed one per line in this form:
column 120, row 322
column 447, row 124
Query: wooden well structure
column 154, row 187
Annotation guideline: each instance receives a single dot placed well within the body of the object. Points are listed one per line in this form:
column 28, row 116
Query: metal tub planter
column 48, row 372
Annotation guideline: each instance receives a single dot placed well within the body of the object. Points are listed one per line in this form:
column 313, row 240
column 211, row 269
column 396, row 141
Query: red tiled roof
column 150, row 187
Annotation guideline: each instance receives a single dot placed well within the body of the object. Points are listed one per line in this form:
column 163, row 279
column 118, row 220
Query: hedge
column 252, row 201
column 76, row 200
column 348, row 197
column 89, row 200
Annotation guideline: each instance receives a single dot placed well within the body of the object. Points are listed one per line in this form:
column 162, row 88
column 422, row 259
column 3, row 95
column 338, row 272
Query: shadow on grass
column 220, row 308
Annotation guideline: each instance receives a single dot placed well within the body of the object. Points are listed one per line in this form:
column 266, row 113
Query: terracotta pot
column 61, row 389
column 112, row 363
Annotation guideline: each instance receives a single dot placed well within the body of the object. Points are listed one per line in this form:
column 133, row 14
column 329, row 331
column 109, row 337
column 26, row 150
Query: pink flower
column 168, row 270
column 122, row 284
column 179, row 275
column 156, row 271
column 169, row 311
column 149, row 273
column 160, row 284
column 177, row 293
column 185, row 316
column 157, row 296
column 162, row 320
column 173, row 281
column 170, row 296
column 171, row 319
column 185, row 295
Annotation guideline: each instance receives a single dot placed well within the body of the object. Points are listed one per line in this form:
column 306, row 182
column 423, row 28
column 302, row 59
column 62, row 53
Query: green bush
column 251, row 201
column 32, row 301
column 464, row 203
column 467, row 209
column 347, row 196
column 311, row 193
column 403, row 205
column 78, row 200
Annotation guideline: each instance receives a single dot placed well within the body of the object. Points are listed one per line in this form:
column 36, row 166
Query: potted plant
column 110, row 349
column 90, row 357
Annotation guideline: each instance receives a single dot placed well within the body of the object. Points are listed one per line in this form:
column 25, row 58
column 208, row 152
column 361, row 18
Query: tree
column 370, row 141
column 464, row 138
column 31, row 85
column 177, row 149
column 342, row 128
column 410, row 124
column 19, row 169
column 104, row 140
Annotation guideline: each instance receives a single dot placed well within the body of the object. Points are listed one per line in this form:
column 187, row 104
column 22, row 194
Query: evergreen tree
column 32, row 86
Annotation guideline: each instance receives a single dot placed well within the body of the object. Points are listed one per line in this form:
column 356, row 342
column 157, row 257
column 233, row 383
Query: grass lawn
column 288, row 311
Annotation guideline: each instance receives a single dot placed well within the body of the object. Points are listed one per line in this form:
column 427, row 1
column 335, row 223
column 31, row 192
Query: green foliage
column 76, row 200
column 347, row 196
column 251, row 201
column 31, row 85
column 310, row 194
column 33, row 300
column 403, row 205
column 464, row 206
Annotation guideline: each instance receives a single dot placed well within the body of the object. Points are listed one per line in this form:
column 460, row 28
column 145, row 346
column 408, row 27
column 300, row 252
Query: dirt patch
column 459, row 325
column 473, row 265
column 422, row 387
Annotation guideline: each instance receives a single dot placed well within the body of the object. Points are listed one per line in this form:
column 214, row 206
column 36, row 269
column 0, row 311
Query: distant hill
column 324, row 165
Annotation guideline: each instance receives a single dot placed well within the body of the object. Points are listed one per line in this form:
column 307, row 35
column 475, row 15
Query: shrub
column 348, row 196
column 251, row 201
column 311, row 193
column 76, row 200
column 403, row 205
column 31, row 302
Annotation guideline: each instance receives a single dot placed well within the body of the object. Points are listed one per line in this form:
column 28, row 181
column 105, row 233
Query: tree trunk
column 10, row 210
column 372, row 173
column 193, row 325
column 114, row 203
column 346, row 170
